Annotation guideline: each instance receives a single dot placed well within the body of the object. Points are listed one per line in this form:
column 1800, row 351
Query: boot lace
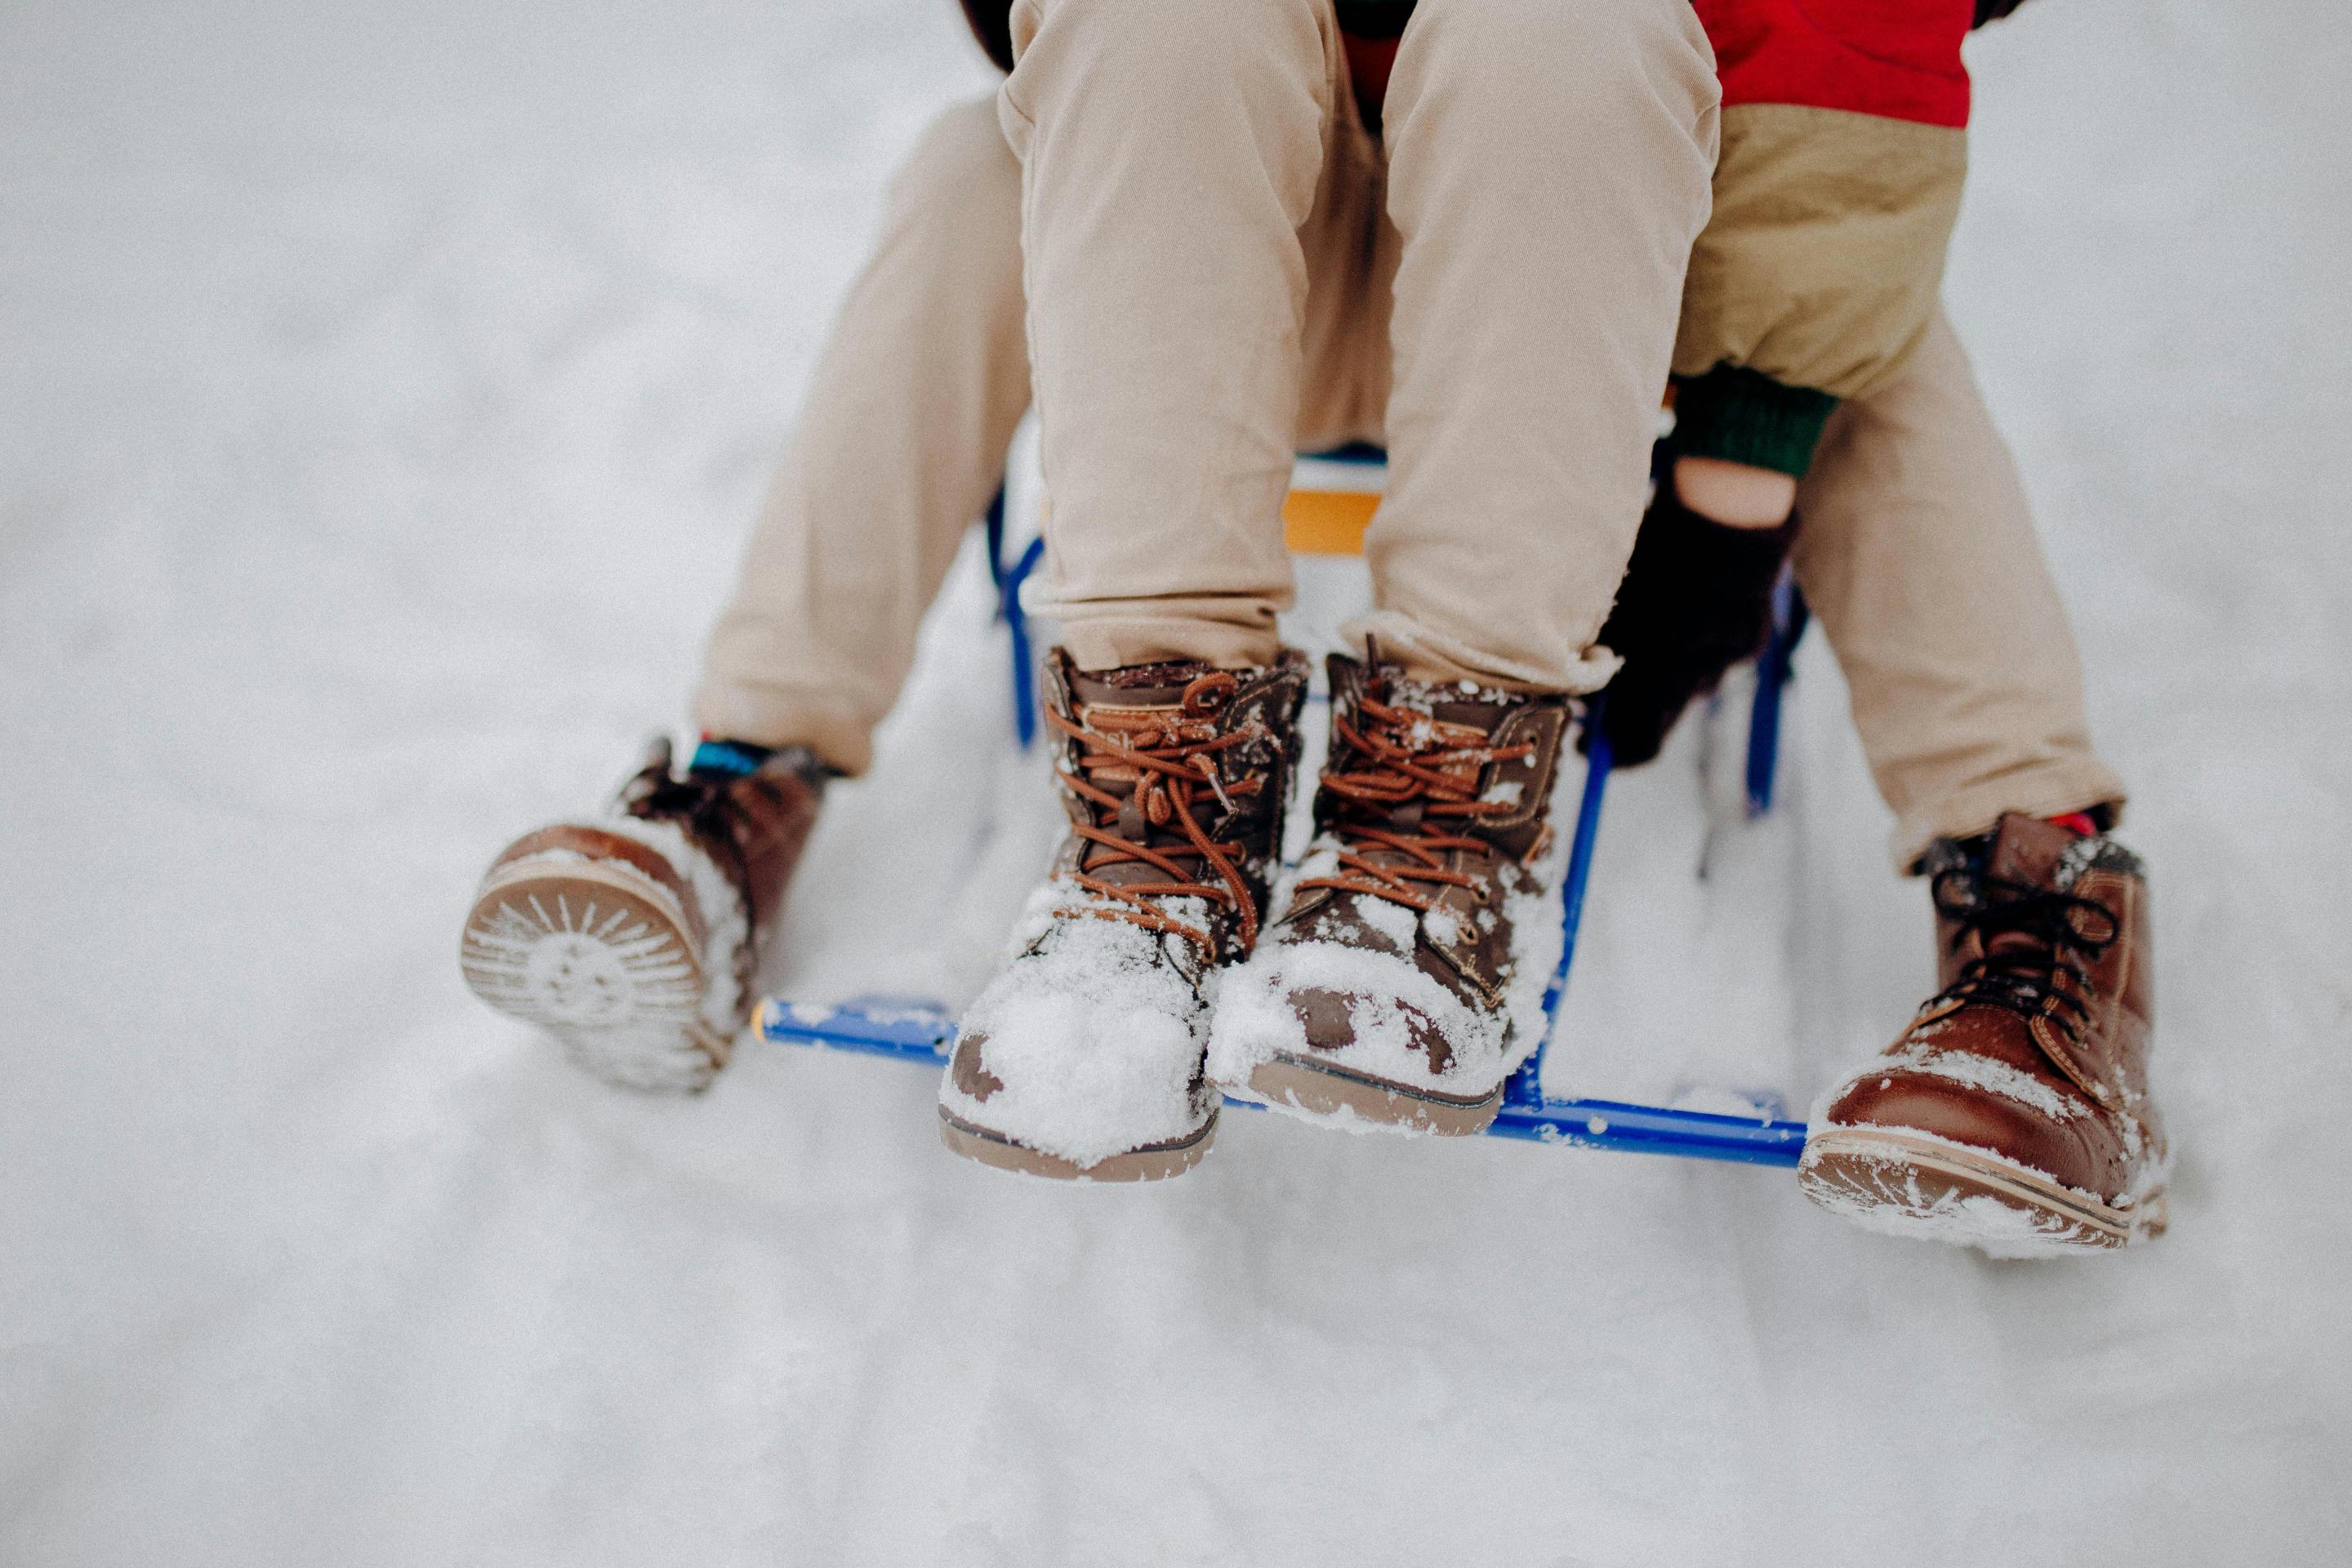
column 2029, row 936
column 1403, row 760
column 1173, row 768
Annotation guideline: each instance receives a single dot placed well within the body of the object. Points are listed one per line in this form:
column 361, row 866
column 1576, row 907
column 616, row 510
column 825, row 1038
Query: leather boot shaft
column 754, row 825
column 2061, row 921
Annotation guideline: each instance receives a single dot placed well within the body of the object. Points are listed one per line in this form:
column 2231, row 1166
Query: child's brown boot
column 1081, row 1058
column 1406, row 980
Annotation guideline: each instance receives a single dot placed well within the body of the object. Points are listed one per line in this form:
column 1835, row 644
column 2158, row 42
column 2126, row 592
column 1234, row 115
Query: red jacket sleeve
column 1897, row 59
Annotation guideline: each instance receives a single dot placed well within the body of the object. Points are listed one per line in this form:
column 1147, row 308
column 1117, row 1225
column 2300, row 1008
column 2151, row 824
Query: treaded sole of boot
column 601, row 960
column 1152, row 1163
column 1910, row 1185
column 1324, row 1092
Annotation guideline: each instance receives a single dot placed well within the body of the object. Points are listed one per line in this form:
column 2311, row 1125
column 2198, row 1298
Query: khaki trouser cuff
column 779, row 716
column 2077, row 783
column 1426, row 654
column 1116, row 642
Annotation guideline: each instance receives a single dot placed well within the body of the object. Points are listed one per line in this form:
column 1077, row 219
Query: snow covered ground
column 383, row 391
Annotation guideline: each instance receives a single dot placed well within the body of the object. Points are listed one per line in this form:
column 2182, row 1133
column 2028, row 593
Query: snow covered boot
column 1406, row 981
column 1082, row 1059
column 2013, row 1114
column 630, row 937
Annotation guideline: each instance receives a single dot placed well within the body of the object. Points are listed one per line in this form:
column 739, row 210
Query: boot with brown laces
column 1406, row 981
column 2013, row 1114
column 631, row 937
column 1082, row 1059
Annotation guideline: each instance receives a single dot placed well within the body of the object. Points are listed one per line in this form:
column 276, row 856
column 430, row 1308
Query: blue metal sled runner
column 916, row 1030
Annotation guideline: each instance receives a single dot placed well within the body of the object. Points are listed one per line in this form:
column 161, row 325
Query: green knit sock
column 1743, row 417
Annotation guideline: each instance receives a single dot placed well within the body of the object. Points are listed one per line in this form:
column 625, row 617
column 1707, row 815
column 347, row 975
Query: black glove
column 1696, row 599
column 992, row 25
column 1374, row 18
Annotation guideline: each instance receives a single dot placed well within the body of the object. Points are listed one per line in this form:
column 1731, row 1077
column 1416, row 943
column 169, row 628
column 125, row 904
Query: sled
column 1332, row 498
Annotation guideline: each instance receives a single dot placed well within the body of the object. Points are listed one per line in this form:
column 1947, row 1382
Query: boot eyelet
column 1210, row 693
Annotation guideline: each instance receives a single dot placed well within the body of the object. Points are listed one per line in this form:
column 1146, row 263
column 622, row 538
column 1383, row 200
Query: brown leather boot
column 1406, row 981
column 2013, row 1114
column 1082, row 1059
column 631, row 937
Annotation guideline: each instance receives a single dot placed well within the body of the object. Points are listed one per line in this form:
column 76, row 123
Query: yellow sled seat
column 1331, row 502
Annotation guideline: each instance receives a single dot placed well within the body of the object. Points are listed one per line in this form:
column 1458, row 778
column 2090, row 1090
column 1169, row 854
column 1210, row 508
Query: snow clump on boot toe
column 1089, row 1043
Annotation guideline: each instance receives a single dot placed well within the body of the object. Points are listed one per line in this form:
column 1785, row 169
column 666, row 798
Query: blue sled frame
column 913, row 1030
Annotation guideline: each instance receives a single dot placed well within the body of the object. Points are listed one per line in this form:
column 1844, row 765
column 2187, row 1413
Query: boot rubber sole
column 1909, row 1184
column 1324, row 1091
column 600, row 957
column 1152, row 1163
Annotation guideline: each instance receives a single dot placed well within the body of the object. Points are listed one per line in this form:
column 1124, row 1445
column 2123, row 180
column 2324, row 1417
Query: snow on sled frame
column 1331, row 522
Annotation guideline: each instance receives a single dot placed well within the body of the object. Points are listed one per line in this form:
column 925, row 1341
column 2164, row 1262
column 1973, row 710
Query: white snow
column 724, row 917
column 1988, row 1073
column 385, row 393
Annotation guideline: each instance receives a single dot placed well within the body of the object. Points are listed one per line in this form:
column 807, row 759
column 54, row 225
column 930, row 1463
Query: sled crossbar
column 924, row 1034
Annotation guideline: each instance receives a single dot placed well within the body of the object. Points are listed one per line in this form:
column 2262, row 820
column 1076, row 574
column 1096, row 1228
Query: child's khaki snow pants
column 1917, row 550
column 1207, row 227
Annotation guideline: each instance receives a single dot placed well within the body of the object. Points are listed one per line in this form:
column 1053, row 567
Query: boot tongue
column 2028, row 850
column 1136, row 686
column 1135, row 703
column 1480, row 716
column 1458, row 716
column 1447, row 701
